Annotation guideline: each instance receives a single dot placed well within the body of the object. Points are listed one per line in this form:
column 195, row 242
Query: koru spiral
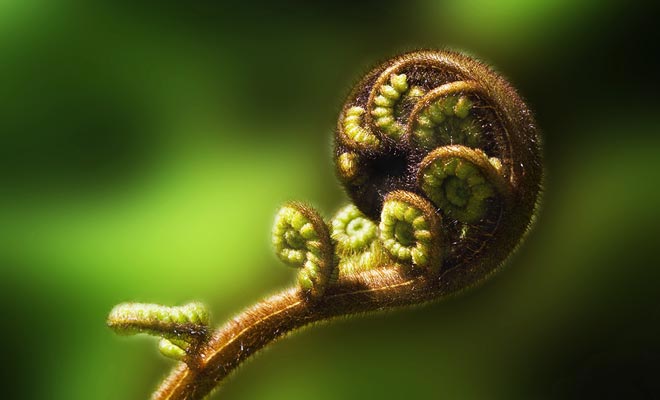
column 442, row 161
column 451, row 136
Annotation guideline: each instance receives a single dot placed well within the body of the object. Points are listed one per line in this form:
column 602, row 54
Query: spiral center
column 294, row 240
column 457, row 191
column 355, row 227
column 404, row 234
column 390, row 166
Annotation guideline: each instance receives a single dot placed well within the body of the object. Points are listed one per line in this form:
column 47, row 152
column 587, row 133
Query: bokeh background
column 145, row 147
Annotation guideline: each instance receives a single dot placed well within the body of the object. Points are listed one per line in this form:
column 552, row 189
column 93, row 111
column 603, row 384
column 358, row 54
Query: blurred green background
column 145, row 147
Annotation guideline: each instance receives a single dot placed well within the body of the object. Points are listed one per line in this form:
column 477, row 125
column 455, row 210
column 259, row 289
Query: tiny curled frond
column 357, row 244
column 441, row 159
column 181, row 328
column 460, row 181
column 302, row 239
column 352, row 231
column 411, row 230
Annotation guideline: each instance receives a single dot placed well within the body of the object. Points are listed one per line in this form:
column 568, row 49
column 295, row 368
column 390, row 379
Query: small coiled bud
column 460, row 181
column 302, row 240
column 410, row 231
column 356, row 237
column 352, row 231
column 446, row 116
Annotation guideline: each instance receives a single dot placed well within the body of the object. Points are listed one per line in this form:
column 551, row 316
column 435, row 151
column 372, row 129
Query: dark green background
column 146, row 147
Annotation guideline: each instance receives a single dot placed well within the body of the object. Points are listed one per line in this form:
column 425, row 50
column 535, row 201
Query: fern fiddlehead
column 410, row 230
column 302, row 239
column 442, row 161
column 356, row 236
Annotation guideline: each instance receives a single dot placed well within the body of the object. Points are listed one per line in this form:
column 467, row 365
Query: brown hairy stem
column 274, row 317
column 509, row 157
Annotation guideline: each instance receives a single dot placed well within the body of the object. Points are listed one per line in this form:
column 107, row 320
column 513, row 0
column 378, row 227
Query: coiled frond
column 460, row 181
column 357, row 241
column 445, row 116
column 410, row 230
column 441, row 159
column 302, row 240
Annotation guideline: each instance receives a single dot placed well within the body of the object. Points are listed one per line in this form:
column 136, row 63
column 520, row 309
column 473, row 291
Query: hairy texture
column 384, row 288
column 188, row 321
column 182, row 329
column 442, row 161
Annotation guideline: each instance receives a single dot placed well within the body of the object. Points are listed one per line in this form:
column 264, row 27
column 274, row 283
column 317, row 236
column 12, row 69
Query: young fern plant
column 442, row 161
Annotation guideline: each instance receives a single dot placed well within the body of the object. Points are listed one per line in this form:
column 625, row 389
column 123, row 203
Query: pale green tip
column 171, row 350
column 186, row 321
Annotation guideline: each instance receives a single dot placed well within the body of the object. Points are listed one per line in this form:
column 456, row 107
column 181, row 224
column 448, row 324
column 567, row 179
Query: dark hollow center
column 386, row 173
column 389, row 167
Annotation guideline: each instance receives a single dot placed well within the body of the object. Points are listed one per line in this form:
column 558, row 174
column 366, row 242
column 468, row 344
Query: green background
column 145, row 147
